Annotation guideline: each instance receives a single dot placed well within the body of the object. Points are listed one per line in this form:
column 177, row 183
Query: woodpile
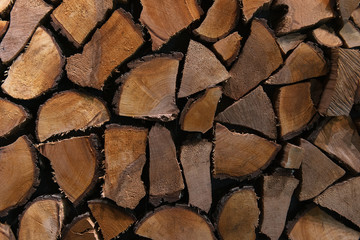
column 186, row 119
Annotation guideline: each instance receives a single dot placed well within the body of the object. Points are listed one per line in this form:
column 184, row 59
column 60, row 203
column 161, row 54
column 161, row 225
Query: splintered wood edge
column 75, row 220
column 18, row 127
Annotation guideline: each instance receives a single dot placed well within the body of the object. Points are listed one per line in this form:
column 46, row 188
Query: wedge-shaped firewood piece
column 343, row 199
column 249, row 7
column 202, row 69
column 69, row 110
column 290, row 41
column 168, row 223
column 168, row 18
column 113, row 43
column 316, row 224
column 148, row 90
column 317, row 172
column 339, row 93
column 24, row 18
column 166, row 182
column 125, row 156
column 198, row 115
column 75, row 162
column 12, row 116
column 42, row 219
column 340, row 138
column 236, row 155
column 112, row 220
column 292, row 156
column 355, row 16
column 69, row 17
column 255, row 105
column 305, row 62
column 228, row 48
column 6, row 233
column 294, row 108
column 81, row 228
column 195, row 160
column 350, row 34
column 258, row 59
column 37, row 70
column 18, row 173
column 277, row 193
column 238, row 215
column 326, row 37
column 216, row 24
column 346, row 7
column 302, row 14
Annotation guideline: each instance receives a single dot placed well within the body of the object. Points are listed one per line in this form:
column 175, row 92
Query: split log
column 326, row 37
column 292, row 156
column 81, row 228
column 69, row 110
column 238, row 215
column 216, row 24
column 42, row 219
column 198, row 115
column 113, row 43
column 70, row 18
column 236, row 155
column 350, row 34
column 166, row 182
column 112, row 220
column 339, row 93
column 340, row 138
column 249, row 7
column 258, row 59
column 316, row 224
column 342, row 198
column 75, row 163
column 125, row 157
column 3, row 27
column 317, row 172
column 306, row 61
column 5, row 7
column 302, row 14
column 294, row 108
column 24, row 18
column 202, row 69
column 168, row 18
column 148, row 90
column 6, row 233
column 175, row 223
column 12, row 117
column 290, row 41
column 346, row 7
column 228, row 48
column 255, row 105
column 195, row 160
column 18, row 173
column 37, row 70
column 355, row 16
column 277, row 193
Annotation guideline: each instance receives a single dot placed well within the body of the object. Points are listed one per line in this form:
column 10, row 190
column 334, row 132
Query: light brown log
column 112, row 220
column 81, row 228
column 6, row 232
column 290, row 41
column 277, row 193
column 346, row 7
column 198, row 114
column 76, row 18
column 228, row 48
column 165, row 18
column 340, row 138
column 302, row 14
column 238, row 215
column 148, row 90
column 125, row 156
column 69, row 110
column 316, row 224
column 350, row 34
column 292, row 156
column 166, row 182
column 3, row 27
column 175, row 223
column 24, row 18
column 202, row 69
column 12, row 117
column 255, row 105
column 195, row 160
column 216, row 24
column 355, row 16
column 249, row 7
column 43, row 219
column 326, row 37
column 317, row 172
column 238, row 155
column 18, row 173
column 306, row 61
column 258, row 59
column 37, row 70
column 342, row 198
column 113, row 43
column 75, row 163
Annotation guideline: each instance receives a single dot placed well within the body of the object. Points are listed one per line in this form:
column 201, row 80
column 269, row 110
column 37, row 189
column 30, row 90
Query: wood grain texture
column 3, row 27
column 292, row 156
column 350, row 34
column 355, row 16
column 326, row 37
column 290, row 41
column 12, row 117
column 228, row 48
column 81, row 228
column 346, row 7
column 113, row 43
column 6, row 233
column 249, row 7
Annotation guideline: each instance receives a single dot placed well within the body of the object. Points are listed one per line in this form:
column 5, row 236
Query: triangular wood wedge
column 81, row 228
column 292, row 156
column 350, row 34
column 249, row 7
column 290, row 41
column 228, row 48
column 12, row 116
